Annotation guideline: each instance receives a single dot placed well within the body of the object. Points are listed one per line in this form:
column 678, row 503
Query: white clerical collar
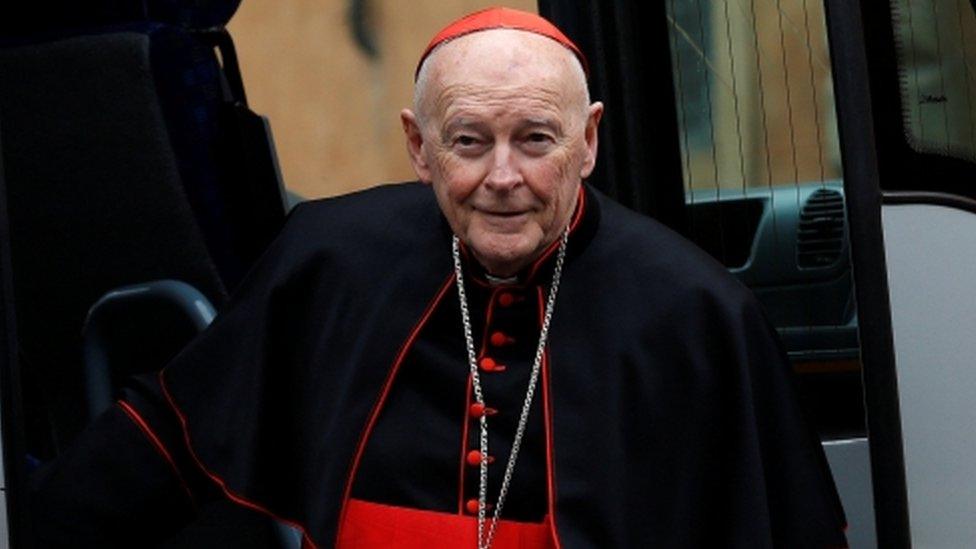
column 501, row 281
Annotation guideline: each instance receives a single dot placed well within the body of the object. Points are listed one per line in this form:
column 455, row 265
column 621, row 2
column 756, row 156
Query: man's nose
column 504, row 174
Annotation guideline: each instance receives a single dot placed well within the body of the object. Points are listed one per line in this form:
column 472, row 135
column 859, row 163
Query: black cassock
column 665, row 417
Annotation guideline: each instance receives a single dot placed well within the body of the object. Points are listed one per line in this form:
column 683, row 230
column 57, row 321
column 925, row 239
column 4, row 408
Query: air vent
column 820, row 237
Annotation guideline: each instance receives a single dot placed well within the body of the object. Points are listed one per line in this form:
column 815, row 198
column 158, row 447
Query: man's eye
column 538, row 142
column 466, row 141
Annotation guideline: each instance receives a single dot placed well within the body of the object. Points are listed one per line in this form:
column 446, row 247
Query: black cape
column 674, row 421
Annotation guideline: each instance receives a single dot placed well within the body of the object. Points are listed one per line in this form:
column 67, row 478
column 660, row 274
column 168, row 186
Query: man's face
column 504, row 135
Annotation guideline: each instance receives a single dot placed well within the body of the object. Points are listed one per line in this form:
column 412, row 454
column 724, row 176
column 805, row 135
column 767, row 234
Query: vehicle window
column 936, row 45
column 762, row 179
column 753, row 91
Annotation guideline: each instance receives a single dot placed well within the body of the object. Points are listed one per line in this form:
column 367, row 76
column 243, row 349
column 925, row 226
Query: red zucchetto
column 501, row 18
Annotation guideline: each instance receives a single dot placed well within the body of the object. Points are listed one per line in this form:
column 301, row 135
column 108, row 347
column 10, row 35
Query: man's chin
column 504, row 255
column 513, row 223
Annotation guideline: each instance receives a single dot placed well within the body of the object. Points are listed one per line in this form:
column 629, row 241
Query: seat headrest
column 193, row 14
column 56, row 16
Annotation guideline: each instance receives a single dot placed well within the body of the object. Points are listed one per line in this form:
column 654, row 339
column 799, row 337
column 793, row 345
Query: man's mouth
column 504, row 220
column 504, row 213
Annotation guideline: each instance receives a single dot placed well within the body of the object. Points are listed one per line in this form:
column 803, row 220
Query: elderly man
column 510, row 360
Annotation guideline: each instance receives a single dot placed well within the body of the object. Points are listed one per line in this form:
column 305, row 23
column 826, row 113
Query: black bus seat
column 131, row 156
column 137, row 329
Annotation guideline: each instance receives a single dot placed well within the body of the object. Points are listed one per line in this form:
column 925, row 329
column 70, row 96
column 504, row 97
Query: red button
column 474, row 457
column 471, row 506
column 477, row 410
column 498, row 339
column 488, row 364
column 505, row 299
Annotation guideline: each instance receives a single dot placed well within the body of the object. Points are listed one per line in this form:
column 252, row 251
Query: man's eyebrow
column 549, row 123
column 461, row 123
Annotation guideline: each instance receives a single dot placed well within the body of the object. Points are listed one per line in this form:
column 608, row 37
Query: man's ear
column 591, row 135
column 415, row 145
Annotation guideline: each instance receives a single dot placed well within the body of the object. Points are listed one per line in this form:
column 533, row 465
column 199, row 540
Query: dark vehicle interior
column 140, row 188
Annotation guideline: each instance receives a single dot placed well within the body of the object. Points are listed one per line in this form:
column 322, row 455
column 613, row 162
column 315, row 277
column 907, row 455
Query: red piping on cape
column 547, row 421
column 231, row 495
column 378, row 405
column 240, row 500
column 158, row 445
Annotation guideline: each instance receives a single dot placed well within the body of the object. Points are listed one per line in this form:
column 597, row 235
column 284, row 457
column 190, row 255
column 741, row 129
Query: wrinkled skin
column 503, row 131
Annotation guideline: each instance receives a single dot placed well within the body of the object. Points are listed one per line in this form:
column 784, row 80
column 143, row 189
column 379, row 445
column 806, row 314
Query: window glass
column 762, row 179
column 753, row 91
column 936, row 45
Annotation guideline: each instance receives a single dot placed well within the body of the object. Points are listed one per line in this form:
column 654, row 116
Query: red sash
column 375, row 526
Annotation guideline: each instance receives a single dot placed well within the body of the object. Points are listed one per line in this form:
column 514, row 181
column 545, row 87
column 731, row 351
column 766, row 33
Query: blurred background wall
column 332, row 76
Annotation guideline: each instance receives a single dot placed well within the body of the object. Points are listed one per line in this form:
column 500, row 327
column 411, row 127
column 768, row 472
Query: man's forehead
column 529, row 108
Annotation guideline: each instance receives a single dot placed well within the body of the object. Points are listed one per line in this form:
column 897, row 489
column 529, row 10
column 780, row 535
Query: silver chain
column 484, row 541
